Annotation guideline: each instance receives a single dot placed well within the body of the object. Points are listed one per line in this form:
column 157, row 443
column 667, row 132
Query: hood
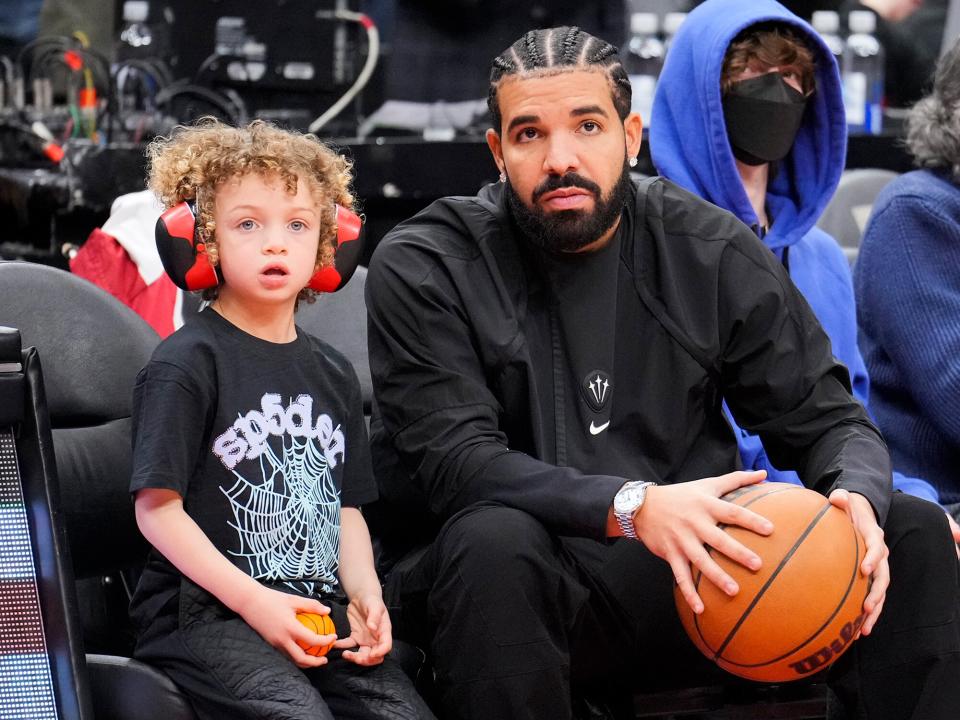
column 688, row 136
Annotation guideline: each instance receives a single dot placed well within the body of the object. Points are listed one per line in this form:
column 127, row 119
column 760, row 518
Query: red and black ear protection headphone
column 184, row 255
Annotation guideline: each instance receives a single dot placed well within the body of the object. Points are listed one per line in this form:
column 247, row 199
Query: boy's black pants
column 229, row 671
column 522, row 619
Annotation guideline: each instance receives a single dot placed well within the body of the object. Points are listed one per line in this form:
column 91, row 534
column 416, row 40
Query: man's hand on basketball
column 371, row 634
column 874, row 562
column 678, row 522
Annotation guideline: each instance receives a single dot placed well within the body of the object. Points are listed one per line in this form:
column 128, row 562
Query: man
column 544, row 350
column 749, row 115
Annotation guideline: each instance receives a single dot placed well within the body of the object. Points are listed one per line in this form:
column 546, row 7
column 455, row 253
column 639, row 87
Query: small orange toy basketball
column 803, row 608
column 320, row 624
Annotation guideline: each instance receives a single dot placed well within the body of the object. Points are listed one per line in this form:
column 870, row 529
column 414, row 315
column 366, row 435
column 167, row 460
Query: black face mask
column 763, row 115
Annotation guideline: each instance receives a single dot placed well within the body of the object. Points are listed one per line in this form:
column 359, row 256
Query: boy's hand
column 273, row 614
column 370, row 630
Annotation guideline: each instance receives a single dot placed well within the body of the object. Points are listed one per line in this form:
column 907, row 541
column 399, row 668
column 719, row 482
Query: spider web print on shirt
column 288, row 520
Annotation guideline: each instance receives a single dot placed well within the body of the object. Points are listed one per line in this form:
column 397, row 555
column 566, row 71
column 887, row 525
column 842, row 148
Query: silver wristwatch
column 626, row 502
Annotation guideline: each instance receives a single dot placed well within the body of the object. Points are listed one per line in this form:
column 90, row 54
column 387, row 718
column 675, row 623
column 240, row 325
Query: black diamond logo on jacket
column 596, row 389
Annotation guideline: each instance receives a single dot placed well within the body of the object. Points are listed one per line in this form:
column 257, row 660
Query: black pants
column 229, row 671
column 522, row 620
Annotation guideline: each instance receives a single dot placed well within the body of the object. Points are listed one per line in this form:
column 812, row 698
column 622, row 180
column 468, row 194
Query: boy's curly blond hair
column 196, row 160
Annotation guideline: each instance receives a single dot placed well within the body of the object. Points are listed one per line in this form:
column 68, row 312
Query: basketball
column 802, row 609
column 320, row 624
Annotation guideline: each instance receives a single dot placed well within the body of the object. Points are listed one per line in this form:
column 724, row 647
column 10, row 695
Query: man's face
column 563, row 149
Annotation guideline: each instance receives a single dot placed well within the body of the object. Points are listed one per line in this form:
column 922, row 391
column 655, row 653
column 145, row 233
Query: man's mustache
column 571, row 179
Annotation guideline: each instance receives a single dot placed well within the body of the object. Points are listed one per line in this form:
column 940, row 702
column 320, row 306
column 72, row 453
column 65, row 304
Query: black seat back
column 92, row 348
column 340, row 319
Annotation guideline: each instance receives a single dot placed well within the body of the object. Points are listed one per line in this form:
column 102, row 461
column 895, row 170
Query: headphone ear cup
column 347, row 255
column 184, row 258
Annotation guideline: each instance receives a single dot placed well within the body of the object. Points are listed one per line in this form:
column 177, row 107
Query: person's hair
column 196, row 160
column 552, row 51
column 933, row 125
column 767, row 45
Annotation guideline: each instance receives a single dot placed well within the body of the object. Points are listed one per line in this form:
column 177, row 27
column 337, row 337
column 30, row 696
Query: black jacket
column 454, row 384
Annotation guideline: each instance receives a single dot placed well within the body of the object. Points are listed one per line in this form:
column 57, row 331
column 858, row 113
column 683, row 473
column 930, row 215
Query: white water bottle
column 863, row 75
column 827, row 25
column 643, row 60
column 136, row 35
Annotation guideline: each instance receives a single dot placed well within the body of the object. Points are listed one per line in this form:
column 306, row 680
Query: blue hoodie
column 689, row 145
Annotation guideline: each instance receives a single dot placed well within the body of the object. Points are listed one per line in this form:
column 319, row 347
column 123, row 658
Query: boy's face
column 266, row 239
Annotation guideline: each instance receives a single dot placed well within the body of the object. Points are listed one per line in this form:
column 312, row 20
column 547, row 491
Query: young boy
column 250, row 452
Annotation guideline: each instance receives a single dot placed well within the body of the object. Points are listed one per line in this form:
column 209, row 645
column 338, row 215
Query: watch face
column 628, row 499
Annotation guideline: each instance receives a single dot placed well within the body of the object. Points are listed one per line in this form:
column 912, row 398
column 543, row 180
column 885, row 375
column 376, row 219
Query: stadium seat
column 91, row 347
column 340, row 319
column 845, row 217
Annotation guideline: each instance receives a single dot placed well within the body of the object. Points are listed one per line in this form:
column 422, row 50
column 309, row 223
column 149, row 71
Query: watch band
column 625, row 522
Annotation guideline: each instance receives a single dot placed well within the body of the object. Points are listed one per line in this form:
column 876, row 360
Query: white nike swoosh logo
column 597, row 429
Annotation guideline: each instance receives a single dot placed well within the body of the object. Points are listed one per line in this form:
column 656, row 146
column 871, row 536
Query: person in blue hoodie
column 749, row 115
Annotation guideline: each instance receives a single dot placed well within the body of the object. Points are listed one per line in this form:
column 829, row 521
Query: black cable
column 162, row 68
column 15, row 125
column 30, row 46
column 144, row 67
column 242, row 113
column 103, row 81
column 40, row 143
column 207, row 62
column 89, row 54
column 96, row 62
column 146, row 83
column 214, row 98
column 9, row 70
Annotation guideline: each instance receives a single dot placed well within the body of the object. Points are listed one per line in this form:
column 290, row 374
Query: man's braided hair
column 555, row 50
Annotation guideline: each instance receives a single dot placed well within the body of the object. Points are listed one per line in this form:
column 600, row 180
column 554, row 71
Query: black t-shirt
column 589, row 333
column 589, row 337
column 265, row 442
column 574, row 331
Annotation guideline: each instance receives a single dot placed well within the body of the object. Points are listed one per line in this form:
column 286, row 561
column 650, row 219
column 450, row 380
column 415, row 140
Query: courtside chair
column 91, row 347
column 846, row 215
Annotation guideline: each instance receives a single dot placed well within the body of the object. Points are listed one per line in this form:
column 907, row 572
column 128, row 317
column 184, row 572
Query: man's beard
column 565, row 231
